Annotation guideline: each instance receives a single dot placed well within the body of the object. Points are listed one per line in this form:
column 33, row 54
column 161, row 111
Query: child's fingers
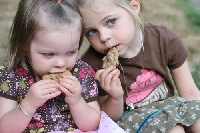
column 102, row 73
column 106, row 72
column 114, row 79
column 48, row 90
column 69, row 82
column 111, row 76
column 65, row 90
column 52, row 95
column 45, row 84
column 115, row 74
column 46, row 81
column 108, row 79
column 68, row 77
column 98, row 74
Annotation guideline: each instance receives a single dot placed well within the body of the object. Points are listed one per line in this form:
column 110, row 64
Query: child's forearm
column 14, row 121
column 86, row 115
column 113, row 108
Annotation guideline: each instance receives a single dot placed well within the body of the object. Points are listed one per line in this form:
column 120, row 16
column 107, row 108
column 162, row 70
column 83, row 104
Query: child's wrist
column 23, row 111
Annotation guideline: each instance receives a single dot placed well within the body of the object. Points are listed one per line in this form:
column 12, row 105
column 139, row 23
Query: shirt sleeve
column 7, row 84
column 177, row 53
column 85, row 75
column 94, row 59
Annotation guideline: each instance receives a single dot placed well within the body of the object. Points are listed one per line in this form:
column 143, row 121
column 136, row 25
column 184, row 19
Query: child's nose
column 60, row 63
column 104, row 35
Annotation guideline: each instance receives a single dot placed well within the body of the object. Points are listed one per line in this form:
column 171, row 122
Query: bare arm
column 11, row 115
column 86, row 115
column 12, row 120
column 112, row 104
column 185, row 83
column 113, row 108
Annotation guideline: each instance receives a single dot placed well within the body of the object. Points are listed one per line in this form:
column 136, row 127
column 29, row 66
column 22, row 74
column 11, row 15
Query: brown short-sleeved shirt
column 163, row 51
column 54, row 114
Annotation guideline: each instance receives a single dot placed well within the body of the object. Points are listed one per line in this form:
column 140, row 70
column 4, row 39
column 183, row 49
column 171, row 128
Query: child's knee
column 195, row 128
column 177, row 129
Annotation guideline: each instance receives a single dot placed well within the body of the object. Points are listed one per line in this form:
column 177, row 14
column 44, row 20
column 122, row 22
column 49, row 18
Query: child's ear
column 136, row 5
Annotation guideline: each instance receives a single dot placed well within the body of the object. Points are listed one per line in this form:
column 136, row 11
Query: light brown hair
column 27, row 21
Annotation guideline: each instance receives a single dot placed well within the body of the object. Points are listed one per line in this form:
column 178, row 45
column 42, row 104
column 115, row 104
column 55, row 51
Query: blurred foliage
column 191, row 13
column 192, row 50
column 196, row 74
column 193, row 16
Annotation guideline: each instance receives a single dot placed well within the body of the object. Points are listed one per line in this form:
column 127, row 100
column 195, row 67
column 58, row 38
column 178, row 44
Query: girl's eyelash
column 72, row 52
column 48, row 54
column 91, row 32
column 111, row 21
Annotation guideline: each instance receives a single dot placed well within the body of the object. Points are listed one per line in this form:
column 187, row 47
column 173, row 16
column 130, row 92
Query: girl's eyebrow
column 108, row 16
column 88, row 28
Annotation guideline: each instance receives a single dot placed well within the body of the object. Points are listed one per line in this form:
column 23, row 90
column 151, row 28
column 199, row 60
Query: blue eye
column 111, row 22
column 91, row 32
column 48, row 54
column 72, row 53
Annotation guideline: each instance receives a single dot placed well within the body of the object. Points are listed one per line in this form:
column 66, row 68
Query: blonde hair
column 125, row 4
column 27, row 21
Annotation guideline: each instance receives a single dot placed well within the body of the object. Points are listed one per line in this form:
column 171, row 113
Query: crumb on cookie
column 111, row 59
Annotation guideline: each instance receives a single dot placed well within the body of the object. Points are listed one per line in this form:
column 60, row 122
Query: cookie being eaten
column 111, row 59
column 56, row 76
